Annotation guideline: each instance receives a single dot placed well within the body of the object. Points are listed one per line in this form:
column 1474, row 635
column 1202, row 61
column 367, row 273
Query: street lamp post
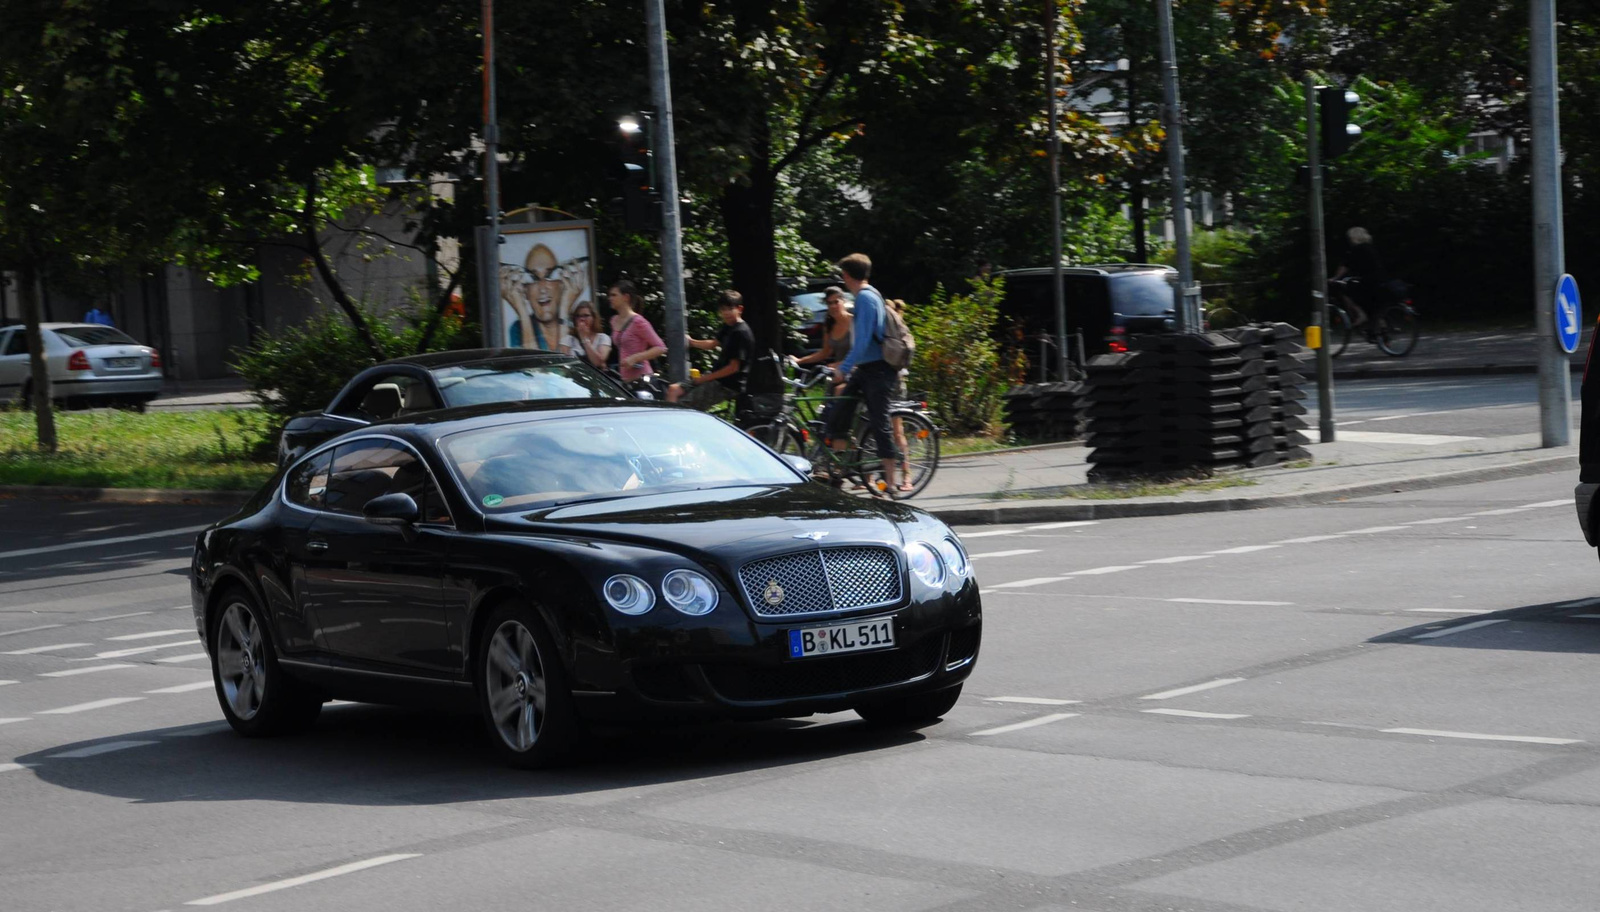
column 488, row 236
column 666, row 162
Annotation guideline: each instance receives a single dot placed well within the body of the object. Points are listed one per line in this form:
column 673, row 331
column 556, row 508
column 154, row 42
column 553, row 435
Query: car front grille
column 825, row 676
column 813, row 582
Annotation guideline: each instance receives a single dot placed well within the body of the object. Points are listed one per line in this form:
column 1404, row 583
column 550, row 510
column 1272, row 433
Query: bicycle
column 1394, row 330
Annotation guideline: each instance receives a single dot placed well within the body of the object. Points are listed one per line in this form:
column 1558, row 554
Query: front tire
column 1397, row 331
column 918, row 710
column 522, row 690
column 257, row 698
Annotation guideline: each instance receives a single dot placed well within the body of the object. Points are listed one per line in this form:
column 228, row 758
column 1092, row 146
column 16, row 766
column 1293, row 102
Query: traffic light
column 1334, row 105
column 634, row 173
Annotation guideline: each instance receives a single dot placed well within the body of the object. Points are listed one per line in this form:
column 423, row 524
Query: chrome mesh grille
column 811, row 582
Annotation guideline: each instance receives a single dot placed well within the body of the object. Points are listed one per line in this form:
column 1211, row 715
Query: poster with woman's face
column 546, row 270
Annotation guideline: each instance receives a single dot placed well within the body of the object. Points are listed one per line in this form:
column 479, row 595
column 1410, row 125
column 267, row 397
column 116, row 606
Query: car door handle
column 316, row 545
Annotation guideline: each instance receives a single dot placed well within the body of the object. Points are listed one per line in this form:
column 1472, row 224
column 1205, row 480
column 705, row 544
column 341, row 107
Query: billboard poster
column 546, row 270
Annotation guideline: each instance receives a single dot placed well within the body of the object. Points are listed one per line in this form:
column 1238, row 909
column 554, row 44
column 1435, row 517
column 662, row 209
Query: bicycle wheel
column 779, row 437
column 921, row 456
column 1397, row 330
column 1338, row 331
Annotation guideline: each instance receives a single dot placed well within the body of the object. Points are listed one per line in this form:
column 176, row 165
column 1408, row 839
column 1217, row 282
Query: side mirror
column 799, row 464
column 646, row 395
column 392, row 510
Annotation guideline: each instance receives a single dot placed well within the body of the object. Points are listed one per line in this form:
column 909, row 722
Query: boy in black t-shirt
column 736, row 346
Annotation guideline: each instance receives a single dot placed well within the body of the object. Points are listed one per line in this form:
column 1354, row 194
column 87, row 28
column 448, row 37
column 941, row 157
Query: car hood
column 731, row 524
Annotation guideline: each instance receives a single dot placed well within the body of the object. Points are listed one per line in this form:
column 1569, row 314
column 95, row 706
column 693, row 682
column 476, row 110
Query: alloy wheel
column 516, row 687
column 241, row 664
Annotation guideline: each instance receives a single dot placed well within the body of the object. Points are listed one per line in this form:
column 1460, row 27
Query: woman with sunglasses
column 586, row 341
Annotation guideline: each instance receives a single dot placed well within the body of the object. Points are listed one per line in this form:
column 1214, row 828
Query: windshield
column 597, row 457
column 84, row 336
column 478, row 384
column 1145, row 294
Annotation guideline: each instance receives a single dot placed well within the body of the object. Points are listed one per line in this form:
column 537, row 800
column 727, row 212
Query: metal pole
column 1319, row 267
column 1188, row 296
column 489, row 241
column 666, row 162
column 1057, row 294
column 1555, row 377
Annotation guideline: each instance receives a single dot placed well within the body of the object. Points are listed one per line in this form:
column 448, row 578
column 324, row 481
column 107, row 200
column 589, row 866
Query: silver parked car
column 88, row 363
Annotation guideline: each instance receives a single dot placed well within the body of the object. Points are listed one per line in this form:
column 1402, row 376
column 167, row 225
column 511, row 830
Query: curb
column 127, row 495
column 1079, row 510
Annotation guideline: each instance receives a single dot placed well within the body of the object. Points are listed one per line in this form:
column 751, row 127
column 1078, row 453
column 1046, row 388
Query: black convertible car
column 547, row 563
column 404, row 387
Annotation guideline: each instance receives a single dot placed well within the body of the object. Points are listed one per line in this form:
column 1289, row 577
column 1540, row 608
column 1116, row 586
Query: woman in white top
column 586, row 341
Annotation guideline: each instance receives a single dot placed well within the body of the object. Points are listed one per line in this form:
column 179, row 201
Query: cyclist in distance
column 867, row 376
column 1365, row 267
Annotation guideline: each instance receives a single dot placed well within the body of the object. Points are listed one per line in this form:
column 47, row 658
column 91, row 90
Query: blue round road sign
column 1569, row 314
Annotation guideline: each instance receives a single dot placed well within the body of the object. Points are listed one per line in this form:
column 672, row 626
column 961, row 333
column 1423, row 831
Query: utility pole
column 666, row 160
column 1188, row 294
column 1555, row 377
column 488, row 236
column 1319, row 267
column 1055, row 191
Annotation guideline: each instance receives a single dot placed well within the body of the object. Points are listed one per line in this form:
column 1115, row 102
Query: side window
column 380, row 400
column 367, row 469
column 308, row 482
column 17, row 344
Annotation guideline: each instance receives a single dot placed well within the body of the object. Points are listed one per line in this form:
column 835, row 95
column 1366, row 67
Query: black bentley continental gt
column 545, row 564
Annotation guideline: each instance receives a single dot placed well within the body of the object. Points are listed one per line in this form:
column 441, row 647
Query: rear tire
column 522, row 690
column 258, row 699
column 780, row 438
column 921, row 709
column 1338, row 331
column 1397, row 331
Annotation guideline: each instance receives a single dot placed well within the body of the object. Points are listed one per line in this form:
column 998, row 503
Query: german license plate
column 875, row 633
column 123, row 362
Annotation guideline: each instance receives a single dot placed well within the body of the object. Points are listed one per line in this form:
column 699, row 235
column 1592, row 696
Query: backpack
column 898, row 343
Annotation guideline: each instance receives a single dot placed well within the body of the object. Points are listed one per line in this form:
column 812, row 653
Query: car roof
column 1096, row 269
column 465, row 356
column 443, row 422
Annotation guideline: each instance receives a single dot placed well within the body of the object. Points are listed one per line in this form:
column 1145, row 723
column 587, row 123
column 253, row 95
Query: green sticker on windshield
column 493, row 500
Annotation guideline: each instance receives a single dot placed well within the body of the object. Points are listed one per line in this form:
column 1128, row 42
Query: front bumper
column 1583, row 499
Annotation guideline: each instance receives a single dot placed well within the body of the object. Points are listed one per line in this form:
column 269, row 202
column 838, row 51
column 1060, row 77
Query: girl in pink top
column 634, row 337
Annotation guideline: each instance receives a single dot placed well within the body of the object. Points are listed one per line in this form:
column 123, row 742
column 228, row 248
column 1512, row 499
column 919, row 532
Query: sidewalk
column 228, row 392
column 1050, row 484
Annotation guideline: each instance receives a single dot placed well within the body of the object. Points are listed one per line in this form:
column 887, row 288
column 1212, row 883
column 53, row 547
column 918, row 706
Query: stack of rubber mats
column 1191, row 404
column 1046, row 411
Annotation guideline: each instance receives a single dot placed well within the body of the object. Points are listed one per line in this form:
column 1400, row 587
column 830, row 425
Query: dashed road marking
column 990, row 534
column 17, row 719
column 1017, row 553
column 29, row 630
column 1451, row 610
column 1308, row 539
column 140, row 650
column 110, row 557
column 12, row 767
column 4, row 683
column 1027, row 723
column 1024, row 583
column 183, row 688
column 1548, row 503
column 1243, row 549
column 92, row 669
column 1193, row 688
column 1062, row 525
column 303, row 879
column 76, row 546
column 1586, row 616
column 1031, row 701
column 118, row 617
column 95, row 750
column 191, row 657
column 1474, row 736
column 38, row 649
column 85, row 707
column 150, row 636
column 1182, row 558
column 1502, row 512
column 1412, row 439
column 1096, row 571
column 1194, row 714
column 1459, row 628
column 1437, row 520
column 1201, row 601
column 1373, row 529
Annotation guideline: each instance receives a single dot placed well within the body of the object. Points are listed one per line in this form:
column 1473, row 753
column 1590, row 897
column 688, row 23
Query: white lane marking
column 1436, row 520
column 183, row 688
column 1034, row 581
column 1201, row 601
column 129, row 554
column 8, row 767
column 150, row 636
column 209, row 728
column 139, row 650
column 1195, row 714
column 1031, row 701
column 1458, row 629
column 1030, row 723
column 71, row 672
column 1243, row 549
column 1096, row 571
column 38, row 649
column 1473, row 736
column 1308, row 539
column 1451, row 610
column 96, row 750
column 1016, row 553
column 1503, row 512
column 1177, row 560
column 171, row 660
column 1580, row 603
column 990, row 534
column 85, row 707
column 4, row 683
column 1412, row 439
column 77, row 546
column 1371, row 529
column 1570, row 615
column 1548, row 503
column 118, row 617
column 18, row 719
column 29, row 630
column 1062, row 525
column 1193, row 688
column 302, row 879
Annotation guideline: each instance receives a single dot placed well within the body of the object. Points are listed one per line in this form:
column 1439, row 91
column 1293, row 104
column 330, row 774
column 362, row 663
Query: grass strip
column 108, row 448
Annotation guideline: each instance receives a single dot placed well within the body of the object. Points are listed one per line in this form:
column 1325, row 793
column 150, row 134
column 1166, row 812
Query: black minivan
column 1105, row 303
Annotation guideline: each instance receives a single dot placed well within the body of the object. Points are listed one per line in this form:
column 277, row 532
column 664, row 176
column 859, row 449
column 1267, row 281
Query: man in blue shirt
column 867, row 376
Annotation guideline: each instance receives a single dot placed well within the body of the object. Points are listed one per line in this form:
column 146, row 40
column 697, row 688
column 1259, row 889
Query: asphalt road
column 1489, row 406
column 1384, row 704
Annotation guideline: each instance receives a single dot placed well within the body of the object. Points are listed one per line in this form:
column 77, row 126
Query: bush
column 958, row 361
column 300, row 369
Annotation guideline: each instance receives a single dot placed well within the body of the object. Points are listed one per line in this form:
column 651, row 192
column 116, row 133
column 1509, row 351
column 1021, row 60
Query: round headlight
column 629, row 594
column 925, row 564
column 954, row 557
column 689, row 592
